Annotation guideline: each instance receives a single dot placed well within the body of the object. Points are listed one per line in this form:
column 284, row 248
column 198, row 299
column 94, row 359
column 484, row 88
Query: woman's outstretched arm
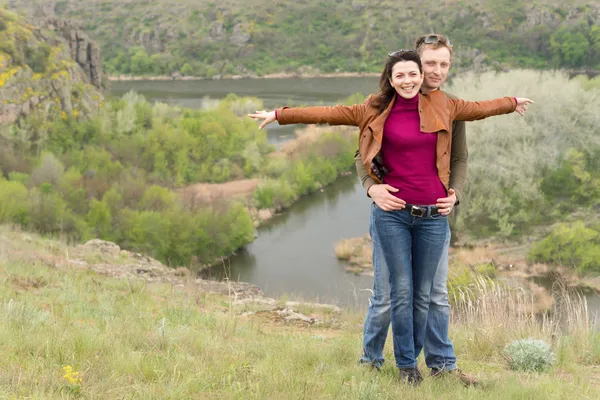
column 336, row 115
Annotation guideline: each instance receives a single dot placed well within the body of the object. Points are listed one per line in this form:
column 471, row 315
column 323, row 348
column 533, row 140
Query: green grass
column 134, row 340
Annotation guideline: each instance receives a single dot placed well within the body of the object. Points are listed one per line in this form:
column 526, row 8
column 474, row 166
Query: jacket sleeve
column 336, row 115
column 473, row 110
column 363, row 174
column 459, row 155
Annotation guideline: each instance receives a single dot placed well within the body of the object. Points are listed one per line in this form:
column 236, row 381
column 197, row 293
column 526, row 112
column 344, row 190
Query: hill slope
column 90, row 336
column 208, row 38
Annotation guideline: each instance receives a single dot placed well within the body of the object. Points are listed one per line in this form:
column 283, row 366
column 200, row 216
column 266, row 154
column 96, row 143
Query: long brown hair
column 386, row 90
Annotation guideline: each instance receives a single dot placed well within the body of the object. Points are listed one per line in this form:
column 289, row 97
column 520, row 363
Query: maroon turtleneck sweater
column 410, row 155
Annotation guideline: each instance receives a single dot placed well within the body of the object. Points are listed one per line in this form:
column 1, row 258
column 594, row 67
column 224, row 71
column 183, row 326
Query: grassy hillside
column 67, row 332
column 208, row 38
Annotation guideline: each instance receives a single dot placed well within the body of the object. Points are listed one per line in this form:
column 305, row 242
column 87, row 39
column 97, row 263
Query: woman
column 405, row 139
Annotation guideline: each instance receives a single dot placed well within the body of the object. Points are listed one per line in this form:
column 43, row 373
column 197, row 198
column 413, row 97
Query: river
column 294, row 252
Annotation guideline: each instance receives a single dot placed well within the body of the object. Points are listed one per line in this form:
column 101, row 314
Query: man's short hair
column 432, row 41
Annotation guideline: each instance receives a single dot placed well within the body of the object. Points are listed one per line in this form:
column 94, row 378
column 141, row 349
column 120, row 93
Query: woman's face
column 406, row 78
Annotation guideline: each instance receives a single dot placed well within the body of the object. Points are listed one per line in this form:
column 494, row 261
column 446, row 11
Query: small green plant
column 529, row 355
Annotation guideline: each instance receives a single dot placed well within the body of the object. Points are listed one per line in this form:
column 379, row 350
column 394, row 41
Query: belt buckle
column 416, row 211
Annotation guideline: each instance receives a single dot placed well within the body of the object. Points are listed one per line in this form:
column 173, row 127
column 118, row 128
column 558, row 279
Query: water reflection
column 591, row 296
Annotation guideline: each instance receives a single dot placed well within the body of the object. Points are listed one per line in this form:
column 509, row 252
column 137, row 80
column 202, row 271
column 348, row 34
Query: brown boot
column 463, row 378
column 412, row 376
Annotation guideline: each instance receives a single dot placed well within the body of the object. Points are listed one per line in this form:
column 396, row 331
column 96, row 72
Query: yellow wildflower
column 71, row 376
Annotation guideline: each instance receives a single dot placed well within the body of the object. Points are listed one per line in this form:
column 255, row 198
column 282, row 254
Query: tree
column 569, row 47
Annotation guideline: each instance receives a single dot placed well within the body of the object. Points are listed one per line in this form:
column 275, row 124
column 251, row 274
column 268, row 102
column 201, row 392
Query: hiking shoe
column 412, row 376
column 465, row 379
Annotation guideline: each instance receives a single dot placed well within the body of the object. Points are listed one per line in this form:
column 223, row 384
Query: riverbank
column 106, row 335
column 501, row 258
column 505, row 262
column 244, row 190
column 285, row 75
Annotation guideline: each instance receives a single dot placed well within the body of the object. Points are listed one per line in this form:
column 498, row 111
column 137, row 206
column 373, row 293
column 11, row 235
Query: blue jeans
column 419, row 244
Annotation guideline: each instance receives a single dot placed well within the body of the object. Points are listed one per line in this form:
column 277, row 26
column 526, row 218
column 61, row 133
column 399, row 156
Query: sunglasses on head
column 399, row 52
column 432, row 39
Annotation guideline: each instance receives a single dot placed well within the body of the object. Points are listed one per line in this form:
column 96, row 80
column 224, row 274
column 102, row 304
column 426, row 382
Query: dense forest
column 208, row 38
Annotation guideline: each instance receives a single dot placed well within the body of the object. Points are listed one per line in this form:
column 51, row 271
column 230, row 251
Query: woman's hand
column 446, row 204
column 383, row 197
column 522, row 104
column 267, row 116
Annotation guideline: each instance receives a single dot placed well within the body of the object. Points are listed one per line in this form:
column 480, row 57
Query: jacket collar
column 377, row 124
column 431, row 122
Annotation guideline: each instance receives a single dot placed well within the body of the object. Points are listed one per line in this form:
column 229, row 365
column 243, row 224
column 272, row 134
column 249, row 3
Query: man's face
column 436, row 63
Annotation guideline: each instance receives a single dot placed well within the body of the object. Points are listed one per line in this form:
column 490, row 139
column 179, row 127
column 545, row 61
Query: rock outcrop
column 83, row 50
column 51, row 70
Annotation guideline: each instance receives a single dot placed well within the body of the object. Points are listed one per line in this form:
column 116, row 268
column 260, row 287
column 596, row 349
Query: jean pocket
column 438, row 216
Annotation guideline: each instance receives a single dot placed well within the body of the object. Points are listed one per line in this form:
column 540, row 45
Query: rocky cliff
column 49, row 69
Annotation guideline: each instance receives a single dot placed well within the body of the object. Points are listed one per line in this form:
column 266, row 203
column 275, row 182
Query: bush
column 46, row 209
column 576, row 179
column 13, row 202
column 19, row 177
column 157, row 198
column 99, row 220
column 50, row 170
column 274, row 194
column 575, row 246
column 529, row 355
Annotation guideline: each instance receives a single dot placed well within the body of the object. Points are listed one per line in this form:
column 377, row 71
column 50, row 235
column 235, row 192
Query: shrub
column 99, row 220
column 50, row 170
column 13, row 202
column 157, row 198
column 20, row 177
column 46, row 209
column 575, row 179
column 529, row 355
column 575, row 246
column 274, row 194
column 37, row 57
column 275, row 166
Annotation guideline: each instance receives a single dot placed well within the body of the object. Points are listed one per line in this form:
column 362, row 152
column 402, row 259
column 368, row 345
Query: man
column 436, row 54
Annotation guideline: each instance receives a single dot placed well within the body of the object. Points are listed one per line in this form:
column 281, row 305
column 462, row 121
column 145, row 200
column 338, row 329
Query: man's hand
column 383, row 197
column 446, row 204
column 267, row 116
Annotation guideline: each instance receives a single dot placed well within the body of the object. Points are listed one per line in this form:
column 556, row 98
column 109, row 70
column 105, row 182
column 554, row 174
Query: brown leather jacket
column 437, row 113
column 459, row 156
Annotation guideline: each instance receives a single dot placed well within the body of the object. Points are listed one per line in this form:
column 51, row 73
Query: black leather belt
column 420, row 211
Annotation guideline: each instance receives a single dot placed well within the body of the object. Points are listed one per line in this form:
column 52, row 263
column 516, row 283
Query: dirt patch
column 27, row 284
column 210, row 193
column 307, row 136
